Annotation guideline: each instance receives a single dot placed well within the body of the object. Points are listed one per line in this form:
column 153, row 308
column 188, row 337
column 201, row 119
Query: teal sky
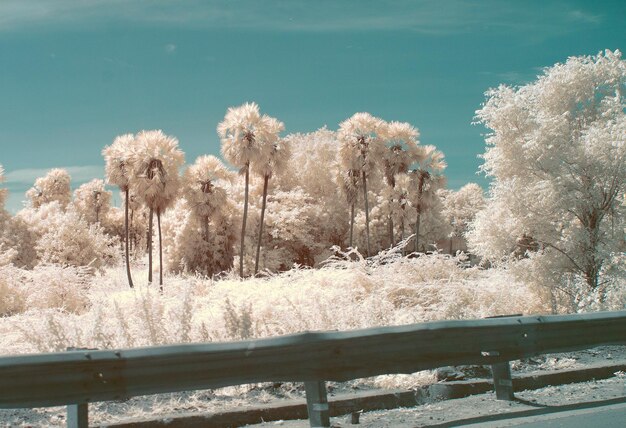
column 74, row 74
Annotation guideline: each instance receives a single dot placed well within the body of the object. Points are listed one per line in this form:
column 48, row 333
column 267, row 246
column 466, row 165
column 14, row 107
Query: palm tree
column 204, row 189
column 274, row 155
column 427, row 178
column 350, row 184
column 360, row 146
column 156, row 160
column 239, row 132
column 402, row 196
column 401, row 150
column 118, row 170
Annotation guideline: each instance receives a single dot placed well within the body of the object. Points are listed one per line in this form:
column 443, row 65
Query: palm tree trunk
column 351, row 222
column 160, row 252
column 258, row 245
column 244, row 220
column 130, row 279
column 133, row 244
column 150, row 221
column 391, row 237
column 367, row 215
column 402, row 234
column 417, row 229
column 206, row 239
column 420, row 190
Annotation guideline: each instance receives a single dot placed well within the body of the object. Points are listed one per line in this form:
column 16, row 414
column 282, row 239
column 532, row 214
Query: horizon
column 76, row 75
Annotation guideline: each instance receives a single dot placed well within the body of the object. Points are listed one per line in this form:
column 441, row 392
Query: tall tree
column 360, row 146
column 239, row 131
column 427, row 178
column 118, row 171
column 351, row 185
column 274, row 155
column 400, row 152
column 156, row 160
column 556, row 154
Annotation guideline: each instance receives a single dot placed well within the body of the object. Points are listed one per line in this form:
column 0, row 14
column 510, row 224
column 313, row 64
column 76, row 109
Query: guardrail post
column 502, row 381
column 317, row 403
column 77, row 415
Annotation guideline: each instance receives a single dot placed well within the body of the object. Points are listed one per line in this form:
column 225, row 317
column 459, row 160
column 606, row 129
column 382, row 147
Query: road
column 611, row 416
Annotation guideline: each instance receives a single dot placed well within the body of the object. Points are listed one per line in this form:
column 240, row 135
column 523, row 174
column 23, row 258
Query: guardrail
column 76, row 378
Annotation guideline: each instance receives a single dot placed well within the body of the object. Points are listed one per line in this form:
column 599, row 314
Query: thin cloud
column 170, row 48
column 581, row 16
column 20, row 180
column 426, row 17
column 27, row 176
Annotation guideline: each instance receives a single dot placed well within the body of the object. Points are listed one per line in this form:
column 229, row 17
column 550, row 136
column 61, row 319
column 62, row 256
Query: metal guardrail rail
column 76, row 378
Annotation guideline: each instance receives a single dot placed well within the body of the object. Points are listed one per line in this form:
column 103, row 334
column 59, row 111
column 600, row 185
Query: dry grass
column 54, row 308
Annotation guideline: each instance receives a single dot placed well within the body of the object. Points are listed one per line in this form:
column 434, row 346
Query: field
column 52, row 308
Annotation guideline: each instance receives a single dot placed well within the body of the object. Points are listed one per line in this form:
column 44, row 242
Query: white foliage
column 187, row 248
column 118, row 162
column 401, row 149
column 360, row 142
column 460, row 207
column 239, row 131
column 557, row 155
column 274, row 153
column 156, row 160
column 204, row 186
column 17, row 242
column 63, row 237
column 92, row 201
column 54, row 186
column 343, row 295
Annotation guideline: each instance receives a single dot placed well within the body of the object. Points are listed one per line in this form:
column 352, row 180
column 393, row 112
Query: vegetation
column 555, row 214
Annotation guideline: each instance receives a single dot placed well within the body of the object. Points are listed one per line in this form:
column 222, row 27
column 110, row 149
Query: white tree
column 204, row 189
column 359, row 137
column 556, row 153
column 54, row 186
column 274, row 155
column 17, row 242
column 156, row 159
column 187, row 250
column 118, row 171
column 312, row 177
column 63, row 237
column 460, row 208
column 400, row 152
column 239, row 131
column 92, row 201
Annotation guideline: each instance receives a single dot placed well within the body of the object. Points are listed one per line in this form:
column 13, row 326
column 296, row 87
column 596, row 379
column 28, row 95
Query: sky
column 75, row 74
